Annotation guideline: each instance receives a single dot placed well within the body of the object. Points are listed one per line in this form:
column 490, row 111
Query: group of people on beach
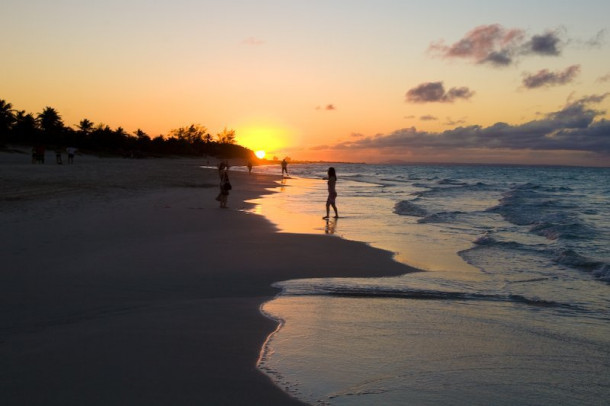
column 225, row 185
column 38, row 153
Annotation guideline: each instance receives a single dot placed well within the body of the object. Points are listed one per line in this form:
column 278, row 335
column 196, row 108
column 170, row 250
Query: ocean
column 512, row 305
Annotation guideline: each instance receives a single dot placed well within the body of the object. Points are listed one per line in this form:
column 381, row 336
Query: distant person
column 249, row 167
column 332, row 192
column 225, row 186
column 38, row 154
column 223, row 166
column 284, row 167
column 71, row 151
column 58, row 156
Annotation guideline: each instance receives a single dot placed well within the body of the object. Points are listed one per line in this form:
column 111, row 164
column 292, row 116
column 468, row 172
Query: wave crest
column 408, row 208
column 442, row 217
column 573, row 259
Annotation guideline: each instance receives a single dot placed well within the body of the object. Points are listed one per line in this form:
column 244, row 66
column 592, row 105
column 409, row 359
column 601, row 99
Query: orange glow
column 265, row 140
column 260, row 154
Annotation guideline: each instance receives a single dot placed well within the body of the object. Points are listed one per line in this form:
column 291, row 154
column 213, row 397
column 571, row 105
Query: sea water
column 512, row 306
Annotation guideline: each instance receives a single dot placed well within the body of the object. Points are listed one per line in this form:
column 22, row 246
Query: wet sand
column 122, row 282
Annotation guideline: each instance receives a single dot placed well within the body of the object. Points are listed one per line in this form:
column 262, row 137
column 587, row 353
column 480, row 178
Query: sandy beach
column 123, row 283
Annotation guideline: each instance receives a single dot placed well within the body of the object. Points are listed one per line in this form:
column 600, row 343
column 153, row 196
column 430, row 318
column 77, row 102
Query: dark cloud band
column 434, row 92
column 573, row 128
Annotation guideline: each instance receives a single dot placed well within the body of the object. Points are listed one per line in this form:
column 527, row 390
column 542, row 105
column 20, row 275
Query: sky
column 523, row 82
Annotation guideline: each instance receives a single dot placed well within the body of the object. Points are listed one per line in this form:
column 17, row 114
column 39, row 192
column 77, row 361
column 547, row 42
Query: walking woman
column 225, row 186
column 332, row 192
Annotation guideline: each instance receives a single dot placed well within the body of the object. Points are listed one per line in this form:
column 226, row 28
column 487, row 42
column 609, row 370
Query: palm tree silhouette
column 226, row 136
column 85, row 126
column 7, row 120
column 25, row 129
column 51, row 124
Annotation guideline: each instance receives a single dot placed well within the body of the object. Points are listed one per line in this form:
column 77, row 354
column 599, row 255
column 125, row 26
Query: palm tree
column 85, row 126
column 120, row 132
column 51, row 124
column 143, row 142
column 192, row 134
column 141, row 135
column 25, row 129
column 7, row 120
column 226, row 136
column 50, row 120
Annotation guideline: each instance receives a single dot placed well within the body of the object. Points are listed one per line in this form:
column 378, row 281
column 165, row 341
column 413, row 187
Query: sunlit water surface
column 513, row 306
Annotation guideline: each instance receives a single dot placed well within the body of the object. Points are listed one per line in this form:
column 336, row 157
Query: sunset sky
column 377, row 81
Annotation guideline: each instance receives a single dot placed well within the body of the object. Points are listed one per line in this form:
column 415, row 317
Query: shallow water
column 513, row 307
column 354, row 351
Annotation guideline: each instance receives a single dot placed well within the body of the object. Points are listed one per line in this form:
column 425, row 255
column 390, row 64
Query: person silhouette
column 222, row 166
column 332, row 192
column 225, row 186
column 284, row 167
column 58, row 156
column 71, row 151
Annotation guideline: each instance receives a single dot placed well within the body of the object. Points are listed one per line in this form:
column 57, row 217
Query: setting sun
column 256, row 136
column 260, row 154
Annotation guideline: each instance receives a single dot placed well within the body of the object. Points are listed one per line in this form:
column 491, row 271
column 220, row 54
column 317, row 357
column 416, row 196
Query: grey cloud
column 428, row 117
column 459, row 93
column 572, row 128
column 499, row 46
column 484, row 44
column 545, row 77
column 434, row 92
column 499, row 58
column 545, row 44
column 591, row 99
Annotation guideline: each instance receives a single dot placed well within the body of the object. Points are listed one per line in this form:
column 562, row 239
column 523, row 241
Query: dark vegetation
column 47, row 129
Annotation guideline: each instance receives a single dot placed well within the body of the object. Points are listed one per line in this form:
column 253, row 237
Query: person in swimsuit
column 332, row 192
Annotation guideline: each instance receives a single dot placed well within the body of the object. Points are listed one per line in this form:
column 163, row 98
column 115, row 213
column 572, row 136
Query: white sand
column 123, row 283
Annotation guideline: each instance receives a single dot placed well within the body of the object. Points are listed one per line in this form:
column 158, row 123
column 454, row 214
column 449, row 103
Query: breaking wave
column 443, row 217
column 408, row 208
column 416, row 294
column 573, row 259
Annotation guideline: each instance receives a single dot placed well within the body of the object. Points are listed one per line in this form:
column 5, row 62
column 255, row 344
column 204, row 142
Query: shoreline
column 124, row 285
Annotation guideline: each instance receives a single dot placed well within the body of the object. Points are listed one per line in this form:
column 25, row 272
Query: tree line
column 47, row 128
